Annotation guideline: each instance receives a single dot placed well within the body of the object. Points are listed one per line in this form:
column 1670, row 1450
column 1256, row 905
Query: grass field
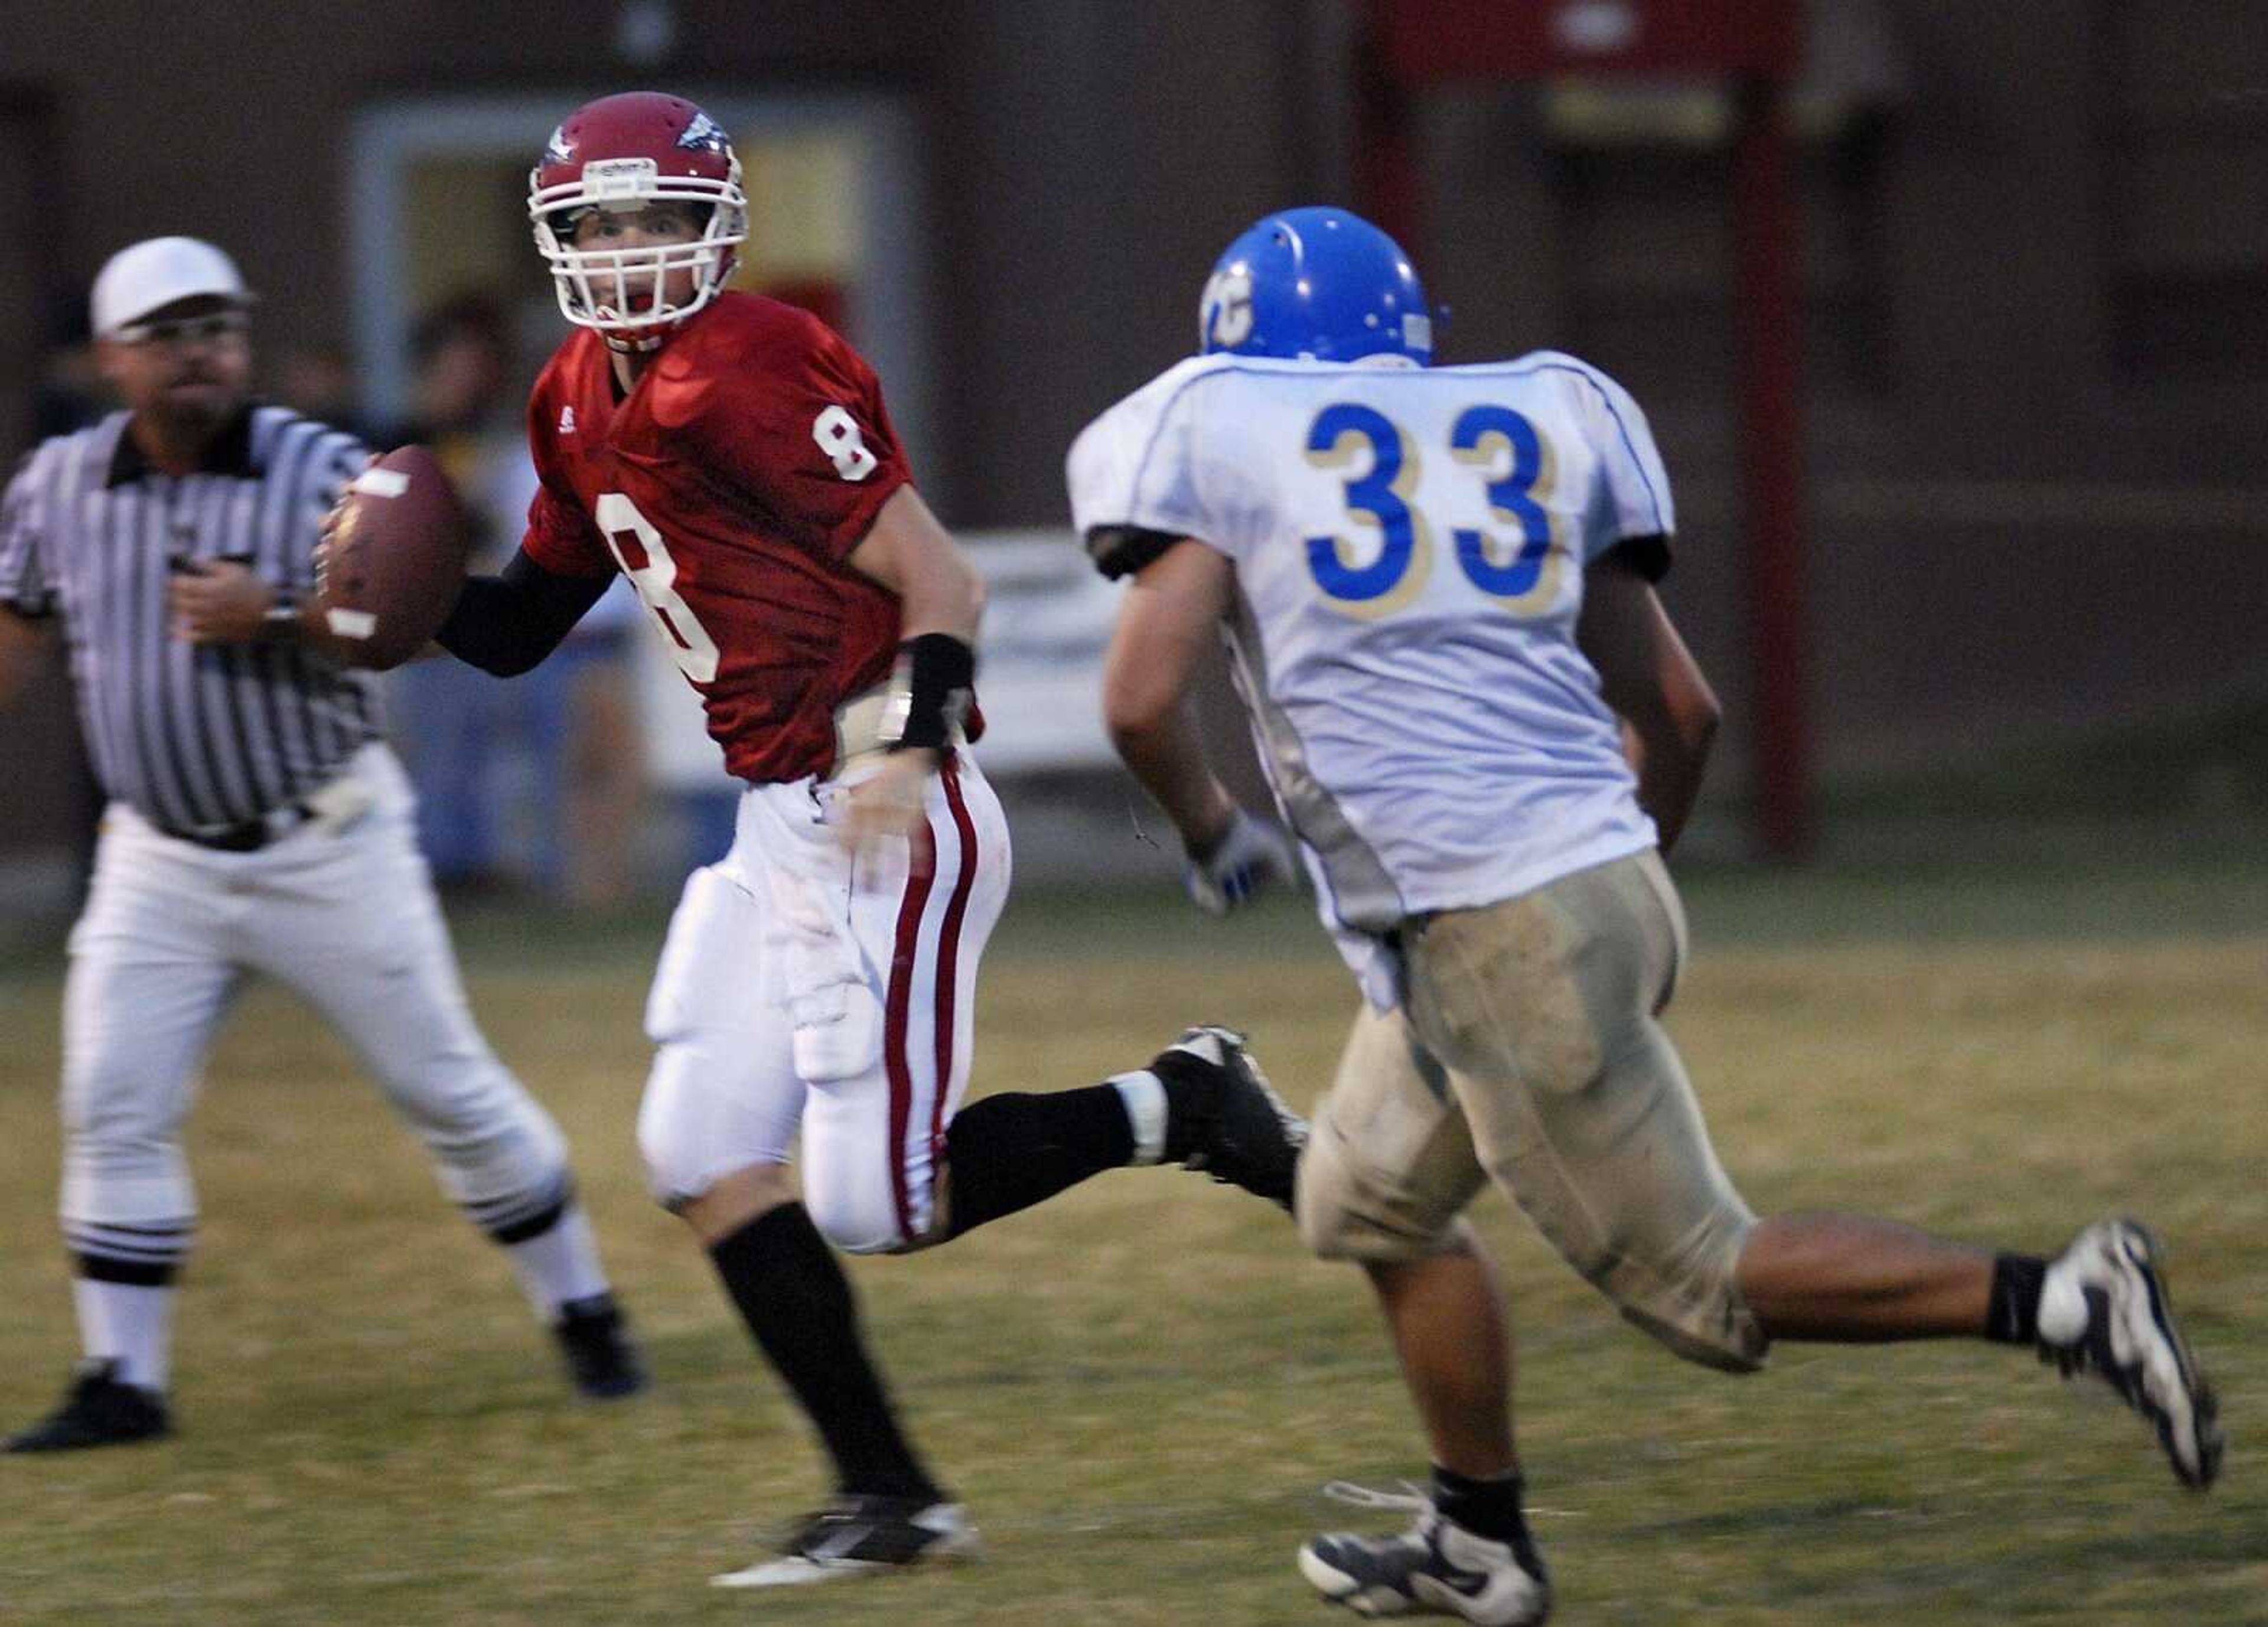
column 1141, row 1387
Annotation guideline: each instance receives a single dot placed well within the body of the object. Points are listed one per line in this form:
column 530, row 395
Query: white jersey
column 1409, row 548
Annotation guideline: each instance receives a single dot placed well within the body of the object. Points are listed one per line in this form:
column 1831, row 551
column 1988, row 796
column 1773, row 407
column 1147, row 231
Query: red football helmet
column 624, row 153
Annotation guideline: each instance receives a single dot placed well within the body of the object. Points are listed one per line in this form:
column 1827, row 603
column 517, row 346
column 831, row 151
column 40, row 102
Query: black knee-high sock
column 1008, row 1152
column 791, row 1292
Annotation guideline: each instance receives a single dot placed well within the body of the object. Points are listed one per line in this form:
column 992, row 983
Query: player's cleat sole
column 1435, row 1568
column 1231, row 1125
column 857, row 1536
column 602, row 1360
column 99, row 1411
column 2104, row 1310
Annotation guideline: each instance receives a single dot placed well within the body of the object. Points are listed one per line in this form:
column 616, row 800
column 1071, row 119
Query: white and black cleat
column 1226, row 1119
column 1435, row 1568
column 862, row 1536
column 2104, row 1310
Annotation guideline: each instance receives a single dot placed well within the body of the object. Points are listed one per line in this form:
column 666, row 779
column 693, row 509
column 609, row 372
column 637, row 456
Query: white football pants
column 799, row 988
column 347, row 919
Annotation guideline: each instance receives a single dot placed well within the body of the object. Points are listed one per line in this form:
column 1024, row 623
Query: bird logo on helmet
column 625, row 153
column 1316, row 285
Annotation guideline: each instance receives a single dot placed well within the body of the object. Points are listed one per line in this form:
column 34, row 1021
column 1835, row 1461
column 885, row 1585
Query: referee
column 256, row 825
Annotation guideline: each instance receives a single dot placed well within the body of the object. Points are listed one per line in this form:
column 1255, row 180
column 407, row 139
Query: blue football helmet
column 1320, row 283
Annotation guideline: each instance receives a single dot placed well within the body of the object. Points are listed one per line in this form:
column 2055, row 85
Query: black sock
column 791, row 1292
column 1489, row 1508
column 2013, row 1316
column 1008, row 1152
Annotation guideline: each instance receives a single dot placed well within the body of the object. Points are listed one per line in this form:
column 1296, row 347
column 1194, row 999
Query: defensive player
column 732, row 456
column 1437, row 587
column 257, row 824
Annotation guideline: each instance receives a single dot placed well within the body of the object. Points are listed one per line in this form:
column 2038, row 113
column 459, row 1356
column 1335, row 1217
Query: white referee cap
column 155, row 273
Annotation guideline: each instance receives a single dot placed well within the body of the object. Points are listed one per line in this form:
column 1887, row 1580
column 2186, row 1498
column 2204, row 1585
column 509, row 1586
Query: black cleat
column 1224, row 1117
column 1435, row 1568
column 2104, row 1310
column 100, row 1412
column 602, row 1358
column 862, row 1536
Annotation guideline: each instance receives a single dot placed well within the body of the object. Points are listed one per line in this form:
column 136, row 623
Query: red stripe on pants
column 921, row 874
column 948, row 954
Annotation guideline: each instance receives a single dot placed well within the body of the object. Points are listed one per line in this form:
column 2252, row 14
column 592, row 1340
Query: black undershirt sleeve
column 505, row 624
column 1645, row 556
column 1121, row 551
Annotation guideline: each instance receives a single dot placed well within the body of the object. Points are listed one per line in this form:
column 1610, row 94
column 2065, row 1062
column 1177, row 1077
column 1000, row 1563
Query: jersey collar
column 229, row 454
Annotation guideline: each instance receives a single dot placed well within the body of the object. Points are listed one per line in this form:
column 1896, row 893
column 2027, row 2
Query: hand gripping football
column 394, row 563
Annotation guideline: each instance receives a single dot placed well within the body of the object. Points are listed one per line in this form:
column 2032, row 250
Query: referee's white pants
column 799, row 989
column 345, row 917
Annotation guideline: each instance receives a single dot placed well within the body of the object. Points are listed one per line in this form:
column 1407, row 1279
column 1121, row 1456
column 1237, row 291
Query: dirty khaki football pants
column 1528, row 1051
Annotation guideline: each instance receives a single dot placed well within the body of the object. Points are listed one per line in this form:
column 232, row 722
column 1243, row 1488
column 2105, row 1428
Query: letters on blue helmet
column 1320, row 283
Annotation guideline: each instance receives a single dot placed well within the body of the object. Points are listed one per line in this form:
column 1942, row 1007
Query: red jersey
column 730, row 483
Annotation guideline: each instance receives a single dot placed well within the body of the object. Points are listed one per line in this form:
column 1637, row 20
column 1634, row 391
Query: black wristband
column 929, row 693
column 279, row 623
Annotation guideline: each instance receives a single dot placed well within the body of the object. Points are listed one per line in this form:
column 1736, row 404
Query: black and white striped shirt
column 197, row 738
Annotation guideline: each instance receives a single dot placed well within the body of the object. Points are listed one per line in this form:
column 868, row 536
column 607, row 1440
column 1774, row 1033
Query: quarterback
column 734, row 458
column 1437, row 588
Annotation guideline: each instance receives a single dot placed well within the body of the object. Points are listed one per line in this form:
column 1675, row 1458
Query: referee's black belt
column 250, row 836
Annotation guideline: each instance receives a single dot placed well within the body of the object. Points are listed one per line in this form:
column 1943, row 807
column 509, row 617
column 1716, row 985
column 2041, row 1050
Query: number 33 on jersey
column 1410, row 546
column 1368, row 493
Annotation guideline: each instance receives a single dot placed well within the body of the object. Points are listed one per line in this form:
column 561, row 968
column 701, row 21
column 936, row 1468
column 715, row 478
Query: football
column 394, row 563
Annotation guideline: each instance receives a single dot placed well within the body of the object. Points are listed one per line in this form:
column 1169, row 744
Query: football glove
column 1251, row 855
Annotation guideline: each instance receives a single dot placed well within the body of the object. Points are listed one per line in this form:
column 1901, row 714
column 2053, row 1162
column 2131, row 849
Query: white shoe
column 2103, row 1310
column 1435, row 1568
column 862, row 1536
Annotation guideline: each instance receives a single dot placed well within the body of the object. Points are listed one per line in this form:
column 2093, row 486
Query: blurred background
column 1951, row 321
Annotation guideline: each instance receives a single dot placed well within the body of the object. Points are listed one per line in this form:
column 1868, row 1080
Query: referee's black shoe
column 594, row 1336
column 101, row 1411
